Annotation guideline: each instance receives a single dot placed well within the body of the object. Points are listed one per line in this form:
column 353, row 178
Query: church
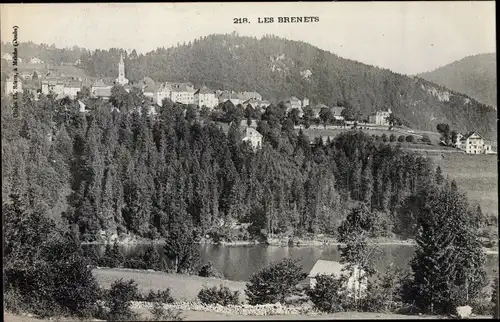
column 121, row 72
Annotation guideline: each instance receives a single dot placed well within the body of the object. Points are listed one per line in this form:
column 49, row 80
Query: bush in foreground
column 118, row 300
column 222, row 295
column 274, row 283
column 160, row 296
column 208, row 270
column 159, row 313
column 328, row 295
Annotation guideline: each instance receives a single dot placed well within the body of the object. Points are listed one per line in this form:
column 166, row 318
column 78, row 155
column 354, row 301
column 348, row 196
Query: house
column 71, row 88
column 101, row 89
column 380, row 117
column 247, row 133
column 293, row 103
column 229, row 96
column 13, row 84
column 82, row 107
column 252, row 136
column 162, row 92
column 245, row 96
column 305, row 102
column 26, row 75
column 357, row 283
column 36, row 60
column 7, row 57
column 182, row 93
column 53, row 86
column 472, row 143
column 337, row 112
column 147, row 85
column 205, row 97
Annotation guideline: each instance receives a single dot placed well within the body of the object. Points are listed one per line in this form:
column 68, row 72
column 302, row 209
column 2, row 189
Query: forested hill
column 473, row 75
column 279, row 68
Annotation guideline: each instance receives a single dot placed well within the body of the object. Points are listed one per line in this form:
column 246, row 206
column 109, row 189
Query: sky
column 406, row 37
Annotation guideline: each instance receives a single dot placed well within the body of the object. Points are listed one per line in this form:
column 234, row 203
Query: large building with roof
column 472, row 143
column 205, row 97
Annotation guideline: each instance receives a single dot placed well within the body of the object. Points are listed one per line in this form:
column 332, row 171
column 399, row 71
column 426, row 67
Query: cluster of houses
column 62, row 85
column 33, row 60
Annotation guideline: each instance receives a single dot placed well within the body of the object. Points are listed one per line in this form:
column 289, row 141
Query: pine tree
column 367, row 183
column 448, row 265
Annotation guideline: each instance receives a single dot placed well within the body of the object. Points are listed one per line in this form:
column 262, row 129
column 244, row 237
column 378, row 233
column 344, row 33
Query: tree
column 392, row 138
column 325, row 115
column 444, row 130
column 384, row 137
column 448, row 265
column 274, row 283
column 308, row 116
column 410, row 138
column 180, row 247
column 354, row 232
column 401, row 138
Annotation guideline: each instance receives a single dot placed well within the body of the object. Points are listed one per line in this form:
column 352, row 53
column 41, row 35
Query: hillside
column 278, row 68
column 472, row 75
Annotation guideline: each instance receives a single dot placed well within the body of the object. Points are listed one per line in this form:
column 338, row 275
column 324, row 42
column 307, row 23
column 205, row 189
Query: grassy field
column 182, row 287
column 475, row 174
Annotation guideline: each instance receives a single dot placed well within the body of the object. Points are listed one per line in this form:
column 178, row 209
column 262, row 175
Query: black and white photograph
column 249, row 161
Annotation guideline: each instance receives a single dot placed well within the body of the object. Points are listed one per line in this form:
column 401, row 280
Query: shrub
column 410, row 138
column 208, row 270
column 384, row 292
column 384, row 137
column 118, row 300
column 159, row 313
column 392, row 138
column 327, row 295
column 426, row 139
column 160, row 296
column 401, row 138
column 274, row 283
column 223, row 295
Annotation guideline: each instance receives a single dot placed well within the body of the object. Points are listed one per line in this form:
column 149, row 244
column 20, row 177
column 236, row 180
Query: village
column 68, row 83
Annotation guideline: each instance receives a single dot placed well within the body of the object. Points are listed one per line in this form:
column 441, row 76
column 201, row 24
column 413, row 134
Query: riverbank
column 298, row 242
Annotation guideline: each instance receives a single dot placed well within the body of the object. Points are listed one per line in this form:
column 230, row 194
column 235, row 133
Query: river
column 238, row 263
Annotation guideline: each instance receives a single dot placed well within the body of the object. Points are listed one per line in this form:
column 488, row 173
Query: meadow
column 477, row 175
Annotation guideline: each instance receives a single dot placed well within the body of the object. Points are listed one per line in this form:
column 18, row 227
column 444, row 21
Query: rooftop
column 327, row 268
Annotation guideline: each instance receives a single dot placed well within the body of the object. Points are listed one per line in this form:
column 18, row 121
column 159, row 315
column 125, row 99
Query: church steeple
column 121, row 72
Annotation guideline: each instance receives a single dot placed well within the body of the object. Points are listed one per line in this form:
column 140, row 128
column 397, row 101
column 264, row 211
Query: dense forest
column 278, row 68
column 120, row 171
